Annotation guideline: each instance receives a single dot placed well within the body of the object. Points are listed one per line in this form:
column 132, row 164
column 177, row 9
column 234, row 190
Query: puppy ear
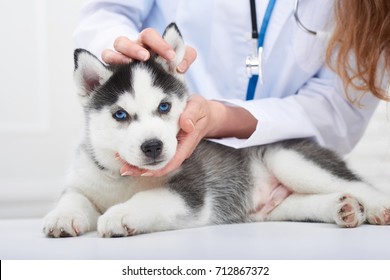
column 174, row 38
column 89, row 72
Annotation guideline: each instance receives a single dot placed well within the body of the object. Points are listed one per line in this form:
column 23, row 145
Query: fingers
column 148, row 39
column 187, row 125
column 189, row 57
column 129, row 170
column 151, row 38
column 126, row 49
column 112, row 57
column 194, row 111
column 131, row 49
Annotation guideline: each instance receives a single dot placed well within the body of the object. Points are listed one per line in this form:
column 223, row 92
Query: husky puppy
column 133, row 111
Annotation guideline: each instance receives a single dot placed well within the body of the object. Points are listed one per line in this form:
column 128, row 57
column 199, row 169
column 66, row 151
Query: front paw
column 65, row 223
column 116, row 223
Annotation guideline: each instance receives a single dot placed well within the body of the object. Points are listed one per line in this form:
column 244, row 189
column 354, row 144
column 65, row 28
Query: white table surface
column 23, row 239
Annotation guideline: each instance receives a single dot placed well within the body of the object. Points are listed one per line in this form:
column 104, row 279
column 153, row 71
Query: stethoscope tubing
column 298, row 20
column 254, row 62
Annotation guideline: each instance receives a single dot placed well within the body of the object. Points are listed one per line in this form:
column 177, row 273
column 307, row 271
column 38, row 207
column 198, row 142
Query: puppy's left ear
column 174, row 38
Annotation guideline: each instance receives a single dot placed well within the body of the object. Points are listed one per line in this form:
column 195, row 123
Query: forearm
column 230, row 121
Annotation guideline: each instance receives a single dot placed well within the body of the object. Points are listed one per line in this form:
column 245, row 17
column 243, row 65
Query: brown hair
column 362, row 30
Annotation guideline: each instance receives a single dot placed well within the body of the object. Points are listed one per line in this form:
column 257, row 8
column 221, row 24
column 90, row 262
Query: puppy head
column 133, row 109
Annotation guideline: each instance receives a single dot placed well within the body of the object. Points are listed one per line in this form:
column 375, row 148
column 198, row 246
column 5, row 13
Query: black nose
column 152, row 148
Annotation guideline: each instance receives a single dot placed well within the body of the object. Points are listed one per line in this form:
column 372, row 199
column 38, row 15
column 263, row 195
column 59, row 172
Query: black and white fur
column 133, row 110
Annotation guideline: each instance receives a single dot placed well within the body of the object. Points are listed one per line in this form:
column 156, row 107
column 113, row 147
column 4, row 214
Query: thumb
column 186, row 124
column 192, row 113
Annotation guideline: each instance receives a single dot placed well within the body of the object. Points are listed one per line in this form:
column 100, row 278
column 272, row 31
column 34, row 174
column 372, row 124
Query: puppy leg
column 342, row 209
column 302, row 175
column 154, row 210
column 73, row 216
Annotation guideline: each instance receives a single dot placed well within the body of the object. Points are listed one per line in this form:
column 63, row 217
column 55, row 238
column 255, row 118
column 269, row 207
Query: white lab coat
column 299, row 97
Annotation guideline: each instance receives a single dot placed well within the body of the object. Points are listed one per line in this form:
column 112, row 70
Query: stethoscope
column 254, row 62
column 299, row 22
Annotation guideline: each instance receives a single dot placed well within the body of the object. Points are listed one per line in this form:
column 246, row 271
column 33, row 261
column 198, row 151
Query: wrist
column 230, row 121
column 217, row 119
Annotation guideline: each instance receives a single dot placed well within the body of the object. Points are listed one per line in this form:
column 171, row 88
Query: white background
column 40, row 119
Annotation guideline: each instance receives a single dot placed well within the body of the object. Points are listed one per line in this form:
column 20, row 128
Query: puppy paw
column 65, row 223
column 379, row 214
column 116, row 222
column 349, row 212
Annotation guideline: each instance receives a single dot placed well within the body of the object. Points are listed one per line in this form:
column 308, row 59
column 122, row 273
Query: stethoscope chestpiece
column 252, row 64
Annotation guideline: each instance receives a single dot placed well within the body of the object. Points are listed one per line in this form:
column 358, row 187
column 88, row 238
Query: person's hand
column 125, row 50
column 196, row 122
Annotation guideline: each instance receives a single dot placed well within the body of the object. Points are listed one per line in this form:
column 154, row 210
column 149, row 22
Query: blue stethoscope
column 254, row 62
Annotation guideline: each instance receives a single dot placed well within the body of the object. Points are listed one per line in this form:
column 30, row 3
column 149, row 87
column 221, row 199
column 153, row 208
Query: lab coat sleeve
column 319, row 110
column 101, row 22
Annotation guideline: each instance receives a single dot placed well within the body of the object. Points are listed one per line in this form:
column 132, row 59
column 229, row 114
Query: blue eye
column 164, row 107
column 120, row 115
